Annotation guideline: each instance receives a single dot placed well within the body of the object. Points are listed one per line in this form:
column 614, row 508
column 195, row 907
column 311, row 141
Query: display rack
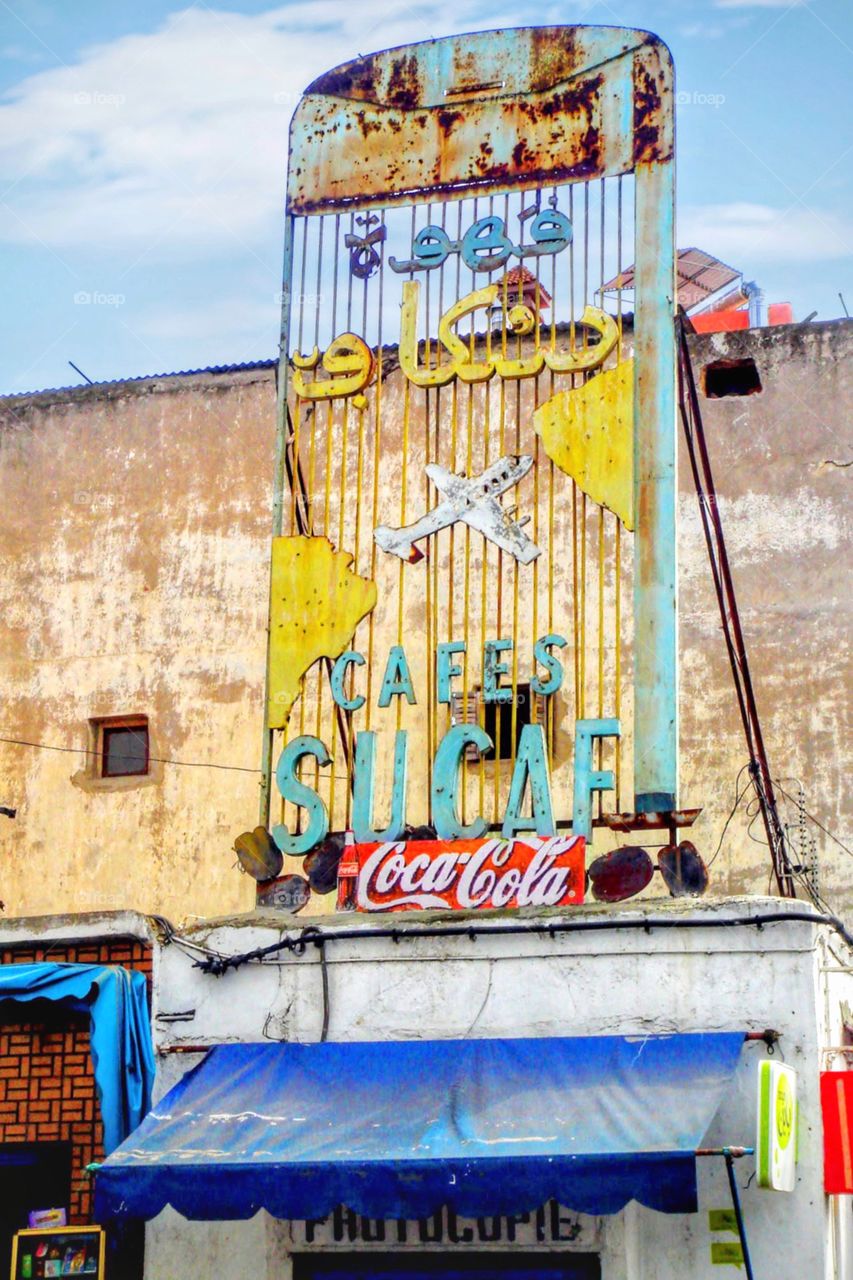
column 44, row 1252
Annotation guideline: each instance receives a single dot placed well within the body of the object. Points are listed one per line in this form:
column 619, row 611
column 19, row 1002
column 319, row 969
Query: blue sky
column 143, row 158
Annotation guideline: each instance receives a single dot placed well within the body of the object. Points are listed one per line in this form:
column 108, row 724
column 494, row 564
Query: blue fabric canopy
column 395, row 1130
column 122, row 1052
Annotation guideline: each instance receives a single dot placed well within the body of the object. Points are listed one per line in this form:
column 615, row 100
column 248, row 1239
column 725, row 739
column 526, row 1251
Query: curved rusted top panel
column 503, row 110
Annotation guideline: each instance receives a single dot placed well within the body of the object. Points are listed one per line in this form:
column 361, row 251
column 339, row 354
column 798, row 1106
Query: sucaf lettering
column 530, row 784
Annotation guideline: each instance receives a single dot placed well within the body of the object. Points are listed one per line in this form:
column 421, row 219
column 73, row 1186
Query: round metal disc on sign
column 683, row 871
column 419, row 833
column 321, row 864
column 290, row 893
column 620, row 874
column 259, row 854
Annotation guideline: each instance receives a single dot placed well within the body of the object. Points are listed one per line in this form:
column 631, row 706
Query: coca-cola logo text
column 418, row 875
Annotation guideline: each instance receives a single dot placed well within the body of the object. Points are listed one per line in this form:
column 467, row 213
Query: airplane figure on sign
column 475, row 502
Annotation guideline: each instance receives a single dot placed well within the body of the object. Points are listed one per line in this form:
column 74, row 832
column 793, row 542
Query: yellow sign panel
column 588, row 433
column 316, row 603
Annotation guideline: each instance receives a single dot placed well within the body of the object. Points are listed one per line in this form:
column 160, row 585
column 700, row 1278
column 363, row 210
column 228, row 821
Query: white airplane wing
column 453, row 487
column 488, row 516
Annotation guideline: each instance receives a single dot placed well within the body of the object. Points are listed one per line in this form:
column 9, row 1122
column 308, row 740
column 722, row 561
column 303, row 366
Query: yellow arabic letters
column 463, row 366
column 351, row 366
column 460, row 364
column 585, row 358
column 349, row 362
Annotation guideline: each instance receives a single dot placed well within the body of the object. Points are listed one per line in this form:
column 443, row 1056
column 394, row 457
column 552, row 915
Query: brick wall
column 47, row 1084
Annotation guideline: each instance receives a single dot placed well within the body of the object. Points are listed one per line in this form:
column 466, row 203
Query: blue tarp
column 122, row 1052
column 395, row 1130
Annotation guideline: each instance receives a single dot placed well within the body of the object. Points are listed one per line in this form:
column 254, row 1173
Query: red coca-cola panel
column 489, row 873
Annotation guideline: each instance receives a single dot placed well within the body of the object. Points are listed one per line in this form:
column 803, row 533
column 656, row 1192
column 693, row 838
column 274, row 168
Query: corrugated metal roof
column 146, row 377
column 699, row 275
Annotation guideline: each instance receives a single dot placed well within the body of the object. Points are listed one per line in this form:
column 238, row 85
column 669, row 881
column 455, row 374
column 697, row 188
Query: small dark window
column 498, row 723
column 124, row 749
column 731, row 378
column 497, row 720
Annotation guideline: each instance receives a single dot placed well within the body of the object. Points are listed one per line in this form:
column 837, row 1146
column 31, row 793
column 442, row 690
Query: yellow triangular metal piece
column 316, row 603
column 588, row 432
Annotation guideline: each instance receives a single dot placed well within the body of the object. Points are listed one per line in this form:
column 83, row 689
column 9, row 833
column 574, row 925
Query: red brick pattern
column 47, row 1085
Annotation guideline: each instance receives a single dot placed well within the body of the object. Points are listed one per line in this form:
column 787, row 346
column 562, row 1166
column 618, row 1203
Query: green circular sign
column 784, row 1111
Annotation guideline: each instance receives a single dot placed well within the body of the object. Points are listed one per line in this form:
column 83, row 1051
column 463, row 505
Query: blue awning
column 116, row 1000
column 396, row 1130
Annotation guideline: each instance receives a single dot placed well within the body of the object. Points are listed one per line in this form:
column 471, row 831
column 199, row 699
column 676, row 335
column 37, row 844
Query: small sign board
column 836, row 1095
column 776, row 1140
column 480, row 874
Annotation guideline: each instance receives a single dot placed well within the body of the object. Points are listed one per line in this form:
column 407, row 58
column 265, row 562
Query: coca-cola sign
column 419, row 875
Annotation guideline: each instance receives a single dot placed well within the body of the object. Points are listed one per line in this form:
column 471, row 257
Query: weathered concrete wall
column 135, row 539
column 139, row 543
column 621, row 982
column 782, row 464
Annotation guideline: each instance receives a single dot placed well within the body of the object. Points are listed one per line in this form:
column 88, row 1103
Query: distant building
column 713, row 294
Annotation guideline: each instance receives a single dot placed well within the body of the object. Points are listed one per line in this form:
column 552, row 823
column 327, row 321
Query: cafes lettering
column 530, row 772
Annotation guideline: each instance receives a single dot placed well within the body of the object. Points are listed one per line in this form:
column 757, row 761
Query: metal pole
column 655, row 618
column 741, row 1228
column 281, row 443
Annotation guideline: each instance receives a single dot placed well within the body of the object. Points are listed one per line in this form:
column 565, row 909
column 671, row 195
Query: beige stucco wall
column 782, row 463
column 134, row 535
column 136, row 551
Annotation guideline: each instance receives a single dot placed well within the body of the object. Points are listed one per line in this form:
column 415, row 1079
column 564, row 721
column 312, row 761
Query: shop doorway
column 450, row 1266
column 32, row 1176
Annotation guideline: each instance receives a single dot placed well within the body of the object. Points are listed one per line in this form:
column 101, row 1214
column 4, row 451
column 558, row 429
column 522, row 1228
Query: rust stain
column 404, row 86
column 647, row 105
column 447, row 118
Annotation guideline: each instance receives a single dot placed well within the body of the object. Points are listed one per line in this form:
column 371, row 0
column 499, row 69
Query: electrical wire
column 219, row 964
column 185, row 764
column 739, row 795
column 813, row 819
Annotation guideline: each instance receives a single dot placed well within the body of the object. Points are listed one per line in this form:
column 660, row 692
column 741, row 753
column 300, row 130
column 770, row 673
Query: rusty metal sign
column 473, row 594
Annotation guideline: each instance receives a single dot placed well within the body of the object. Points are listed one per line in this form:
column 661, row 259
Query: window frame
column 118, row 724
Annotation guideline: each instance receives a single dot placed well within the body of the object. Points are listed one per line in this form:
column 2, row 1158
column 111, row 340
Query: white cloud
column 743, row 234
column 177, row 141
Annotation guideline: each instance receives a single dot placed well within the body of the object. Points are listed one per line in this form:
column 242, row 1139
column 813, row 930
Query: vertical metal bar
column 741, row 1226
column 617, row 568
column 404, row 477
column 655, row 619
column 537, row 341
column 281, row 430
column 466, row 608
column 377, row 452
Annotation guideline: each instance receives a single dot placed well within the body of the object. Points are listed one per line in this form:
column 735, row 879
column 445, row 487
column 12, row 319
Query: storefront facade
column 446, row 1042
column 683, row 970
column 470, row 1054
